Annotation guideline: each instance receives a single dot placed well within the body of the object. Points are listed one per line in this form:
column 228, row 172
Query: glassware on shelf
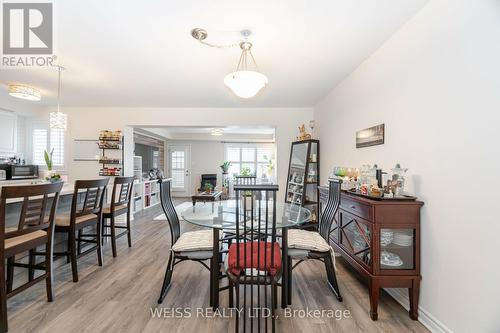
column 398, row 179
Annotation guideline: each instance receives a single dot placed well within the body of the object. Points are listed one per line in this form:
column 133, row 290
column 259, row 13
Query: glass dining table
column 223, row 217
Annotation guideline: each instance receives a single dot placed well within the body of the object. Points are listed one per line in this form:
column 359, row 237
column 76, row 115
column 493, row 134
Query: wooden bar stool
column 34, row 229
column 121, row 202
column 85, row 214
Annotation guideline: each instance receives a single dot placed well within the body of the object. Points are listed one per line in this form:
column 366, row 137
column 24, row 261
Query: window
column 255, row 157
column 47, row 139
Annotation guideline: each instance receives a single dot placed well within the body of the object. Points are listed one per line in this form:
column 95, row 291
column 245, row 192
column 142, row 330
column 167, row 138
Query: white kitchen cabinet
column 8, row 132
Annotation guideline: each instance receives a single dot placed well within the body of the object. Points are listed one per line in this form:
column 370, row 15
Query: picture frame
column 371, row 136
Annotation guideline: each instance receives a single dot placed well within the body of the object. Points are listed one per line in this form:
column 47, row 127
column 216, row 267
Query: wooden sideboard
column 366, row 229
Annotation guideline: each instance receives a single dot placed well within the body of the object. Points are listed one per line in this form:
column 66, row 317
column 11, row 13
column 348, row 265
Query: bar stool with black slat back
column 84, row 213
column 35, row 228
column 253, row 264
column 121, row 203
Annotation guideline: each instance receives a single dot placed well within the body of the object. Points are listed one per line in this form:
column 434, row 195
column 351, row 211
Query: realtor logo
column 27, row 29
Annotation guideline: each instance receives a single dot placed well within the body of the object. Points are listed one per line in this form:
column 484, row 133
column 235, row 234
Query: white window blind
column 39, row 145
column 253, row 156
column 57, row 143
column 47, row 139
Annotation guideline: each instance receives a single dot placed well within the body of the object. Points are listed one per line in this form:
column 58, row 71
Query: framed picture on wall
column 370, row 136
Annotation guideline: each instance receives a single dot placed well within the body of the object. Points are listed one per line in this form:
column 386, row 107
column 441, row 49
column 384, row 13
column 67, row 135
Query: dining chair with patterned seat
column 35, row 228
column 303, row 244
column 192, row 245
column 121, row 203
column 86, row 211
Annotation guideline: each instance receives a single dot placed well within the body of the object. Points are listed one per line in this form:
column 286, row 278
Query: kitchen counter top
column 66, row 190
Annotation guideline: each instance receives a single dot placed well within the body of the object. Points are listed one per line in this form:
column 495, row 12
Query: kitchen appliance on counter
column 14, row 171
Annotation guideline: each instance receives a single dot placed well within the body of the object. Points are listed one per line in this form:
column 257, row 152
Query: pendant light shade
column 245, row 82
column 25, row 92
column 57, row 119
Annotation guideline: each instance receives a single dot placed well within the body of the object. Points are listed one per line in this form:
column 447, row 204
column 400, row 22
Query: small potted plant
column 208, row 187
column 247, row 195
column 52, row 177
column 225, row 167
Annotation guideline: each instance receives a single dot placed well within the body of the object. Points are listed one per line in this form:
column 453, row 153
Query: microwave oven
column 13, row 171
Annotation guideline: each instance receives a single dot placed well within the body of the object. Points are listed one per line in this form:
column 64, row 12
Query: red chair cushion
column 266, row 249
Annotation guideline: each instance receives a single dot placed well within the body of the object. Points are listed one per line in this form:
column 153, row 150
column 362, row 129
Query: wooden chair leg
column 31, row 263
column 99, row 242
column 3, row 300
column 103, row 231
column 129, row 232
column 10, row 273
column 68, row 250
column 332, row 278
column 167, row 279
column 113, row 235
column 79, row 243
column 72, row 250
column 48, row 270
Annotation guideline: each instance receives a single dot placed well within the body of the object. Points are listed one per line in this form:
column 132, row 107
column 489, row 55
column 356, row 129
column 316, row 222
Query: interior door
column 179, row 169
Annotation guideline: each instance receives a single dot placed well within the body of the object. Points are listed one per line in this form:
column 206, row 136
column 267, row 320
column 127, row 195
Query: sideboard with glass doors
column 381, row 240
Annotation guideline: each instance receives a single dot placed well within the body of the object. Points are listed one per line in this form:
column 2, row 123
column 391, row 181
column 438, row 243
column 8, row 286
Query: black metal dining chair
column 253, row 264
column 245, row 180
column 193, row 245
column 304, row 245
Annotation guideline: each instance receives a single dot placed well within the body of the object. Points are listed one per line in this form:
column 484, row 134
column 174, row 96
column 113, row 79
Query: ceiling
column 229, row 133
column 141, row 54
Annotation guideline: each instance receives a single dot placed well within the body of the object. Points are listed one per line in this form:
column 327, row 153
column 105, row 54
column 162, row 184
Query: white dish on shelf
column 390, row 259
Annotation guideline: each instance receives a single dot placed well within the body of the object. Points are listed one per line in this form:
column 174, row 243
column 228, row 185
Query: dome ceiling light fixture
column 24, row 91
column 246, row 81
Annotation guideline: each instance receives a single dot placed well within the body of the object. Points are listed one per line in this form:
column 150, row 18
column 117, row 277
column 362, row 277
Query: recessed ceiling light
column 25, row 92
column 217, row 131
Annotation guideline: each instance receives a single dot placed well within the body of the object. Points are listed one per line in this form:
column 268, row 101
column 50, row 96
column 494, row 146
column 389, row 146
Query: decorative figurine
column 303, row 134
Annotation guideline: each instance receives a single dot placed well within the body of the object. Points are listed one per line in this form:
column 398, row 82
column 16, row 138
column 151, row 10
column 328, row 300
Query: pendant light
column 58, row 120
column 245, row 82
column 24, row 91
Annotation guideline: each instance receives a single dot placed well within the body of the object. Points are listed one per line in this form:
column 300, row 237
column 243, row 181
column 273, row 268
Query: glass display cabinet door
column 397, row 248
column 355, row 236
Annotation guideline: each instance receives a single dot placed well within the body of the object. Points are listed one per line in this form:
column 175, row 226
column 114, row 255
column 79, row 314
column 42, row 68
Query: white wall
column 436, row 86
column 85, row 123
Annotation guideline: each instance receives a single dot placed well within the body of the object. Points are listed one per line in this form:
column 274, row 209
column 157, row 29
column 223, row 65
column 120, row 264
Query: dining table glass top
column 222, row 215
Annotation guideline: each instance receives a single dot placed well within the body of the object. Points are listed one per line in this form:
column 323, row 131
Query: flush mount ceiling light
column 58, row 120
column 246, row 81
column 25, row 92
column 217, row 131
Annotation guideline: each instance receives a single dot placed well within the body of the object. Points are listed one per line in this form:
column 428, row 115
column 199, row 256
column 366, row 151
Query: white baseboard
column 424, row 317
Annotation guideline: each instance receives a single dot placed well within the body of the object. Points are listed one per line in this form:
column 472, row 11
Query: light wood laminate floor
column 120, row 296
